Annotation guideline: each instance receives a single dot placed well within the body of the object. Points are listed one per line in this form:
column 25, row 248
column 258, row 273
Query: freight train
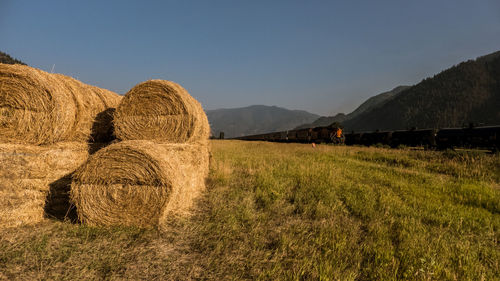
column 487, row 137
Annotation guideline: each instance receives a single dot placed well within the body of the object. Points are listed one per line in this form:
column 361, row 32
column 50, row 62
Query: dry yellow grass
column 162, row 111
column 139, row 183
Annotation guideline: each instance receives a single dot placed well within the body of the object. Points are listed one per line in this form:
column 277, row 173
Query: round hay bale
column 133, row 182
column 93, row 120
column 163, row 111
column 29, row 99
column 37, row 107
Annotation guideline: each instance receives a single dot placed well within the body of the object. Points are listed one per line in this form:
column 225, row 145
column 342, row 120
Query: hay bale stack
column 31, row 180
column 37, row 107
column 46, row 124
column 139, row 182
column 157, row 169
column 162, row 111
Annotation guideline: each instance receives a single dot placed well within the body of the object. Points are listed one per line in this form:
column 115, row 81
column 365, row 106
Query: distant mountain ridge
column 324, row 121
column 376, row 101
column 370, row 104
column 256, row 119
column 466, row 93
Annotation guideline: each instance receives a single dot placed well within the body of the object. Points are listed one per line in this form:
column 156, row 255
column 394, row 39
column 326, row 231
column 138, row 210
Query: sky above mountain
column 321, row 56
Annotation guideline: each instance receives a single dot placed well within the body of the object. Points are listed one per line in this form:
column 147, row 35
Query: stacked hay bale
column 156, row 170
column 48, row 125
column 162, row 111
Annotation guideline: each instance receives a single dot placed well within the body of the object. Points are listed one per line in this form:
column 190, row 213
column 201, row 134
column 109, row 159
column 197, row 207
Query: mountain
column 369, row 104
column 376, row 101
column 7, row 59
column 256, row 119
column 324, row 121
column 466, row 93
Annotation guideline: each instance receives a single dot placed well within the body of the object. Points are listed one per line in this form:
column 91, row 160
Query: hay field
column 289, row 212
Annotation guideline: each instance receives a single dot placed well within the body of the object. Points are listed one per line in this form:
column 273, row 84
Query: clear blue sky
column 321, row 56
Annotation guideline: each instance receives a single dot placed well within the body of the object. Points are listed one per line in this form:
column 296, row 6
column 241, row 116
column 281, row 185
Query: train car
column 284, row 136
column 264, row 137
column 378, row 137
column 292, row 136
column 426, row 138
column 302, row 135
column 314, row 136
column 322, row 134
column 482, row 137
column 450, row 138
column 353, row 138
column 252, row 137
column 275, row 136
column 327, row 134
column 270, row 136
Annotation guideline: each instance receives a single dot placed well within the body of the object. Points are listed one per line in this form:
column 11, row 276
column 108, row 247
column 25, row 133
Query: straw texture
column 49, row 123
column 33, row 182
column 162, row 111
column 37, row 107
column 139, row 183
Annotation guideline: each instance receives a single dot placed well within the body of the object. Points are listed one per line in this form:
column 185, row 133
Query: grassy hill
column 256, row 119
column 466, row 93
column 290, row 212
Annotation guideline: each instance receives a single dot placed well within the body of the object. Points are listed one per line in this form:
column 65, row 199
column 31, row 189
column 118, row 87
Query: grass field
column 288, row 211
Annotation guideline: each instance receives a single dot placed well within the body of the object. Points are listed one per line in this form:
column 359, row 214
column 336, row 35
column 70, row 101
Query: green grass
column 288, row 211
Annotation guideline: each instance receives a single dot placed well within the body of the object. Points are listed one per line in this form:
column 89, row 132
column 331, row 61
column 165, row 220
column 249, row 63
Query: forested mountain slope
column 466, row 93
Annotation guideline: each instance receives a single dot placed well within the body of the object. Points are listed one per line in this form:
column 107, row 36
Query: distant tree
column 7, row 59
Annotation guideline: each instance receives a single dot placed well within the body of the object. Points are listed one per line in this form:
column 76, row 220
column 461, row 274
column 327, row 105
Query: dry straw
column 162, row 111
column 33, row 182
column 37, row 107
column 46, row 122
column 139, row 183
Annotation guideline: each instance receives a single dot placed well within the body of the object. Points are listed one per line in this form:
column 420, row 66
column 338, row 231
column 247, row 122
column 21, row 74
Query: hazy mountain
column 256, row 119
column 324, row 121
column 369, row 104
column 7, row 59
column 466, row 93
